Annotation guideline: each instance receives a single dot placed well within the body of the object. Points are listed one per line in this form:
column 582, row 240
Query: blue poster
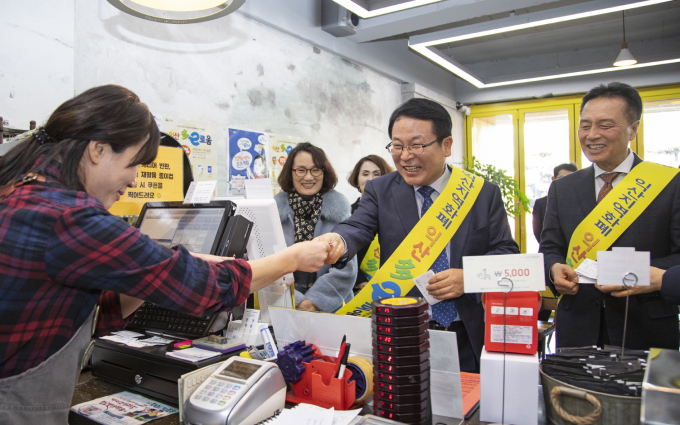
column 247, row 159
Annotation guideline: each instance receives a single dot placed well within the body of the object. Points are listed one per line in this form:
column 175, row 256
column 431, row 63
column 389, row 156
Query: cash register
column 207, row 228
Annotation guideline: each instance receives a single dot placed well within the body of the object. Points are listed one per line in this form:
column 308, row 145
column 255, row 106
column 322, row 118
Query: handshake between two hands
column 335, row 247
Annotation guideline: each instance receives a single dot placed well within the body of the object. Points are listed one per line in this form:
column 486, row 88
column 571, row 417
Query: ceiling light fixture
column 357, row 7
column 423, row 43
column 177, row 11
column 625, row 57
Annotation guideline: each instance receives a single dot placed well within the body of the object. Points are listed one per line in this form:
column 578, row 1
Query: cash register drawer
column 146, row 370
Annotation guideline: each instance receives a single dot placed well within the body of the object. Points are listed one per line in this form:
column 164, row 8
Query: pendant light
column 625, row 58
column 177, row 11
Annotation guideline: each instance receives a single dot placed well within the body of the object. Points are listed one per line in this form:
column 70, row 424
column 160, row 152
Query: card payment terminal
column 241, row 391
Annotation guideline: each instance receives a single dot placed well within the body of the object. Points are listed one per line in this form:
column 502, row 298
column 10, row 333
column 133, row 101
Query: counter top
column 90, row 388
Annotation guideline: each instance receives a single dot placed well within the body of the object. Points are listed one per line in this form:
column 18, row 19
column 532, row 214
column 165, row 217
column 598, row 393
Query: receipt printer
column 241, row 391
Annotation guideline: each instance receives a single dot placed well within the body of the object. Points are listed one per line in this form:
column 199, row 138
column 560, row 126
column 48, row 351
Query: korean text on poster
column 197, row 138
column 160, row 181
column 278, row 150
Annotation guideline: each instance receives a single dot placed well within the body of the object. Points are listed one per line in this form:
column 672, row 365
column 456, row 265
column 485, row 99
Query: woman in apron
column 62, row 254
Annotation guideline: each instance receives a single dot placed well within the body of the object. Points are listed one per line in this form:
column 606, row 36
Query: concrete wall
column 37, row 68
column 390, row 57
column 233, row 71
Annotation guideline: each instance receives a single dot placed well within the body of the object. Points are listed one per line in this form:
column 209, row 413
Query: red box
column 521, row 321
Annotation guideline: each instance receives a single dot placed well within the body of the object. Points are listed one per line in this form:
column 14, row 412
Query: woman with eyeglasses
column 309, row 207
column 367, row 168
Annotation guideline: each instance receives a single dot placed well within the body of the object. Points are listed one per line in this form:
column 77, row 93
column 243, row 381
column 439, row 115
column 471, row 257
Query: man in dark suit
column 590, row 314
column 538, row 211
column 420, row 131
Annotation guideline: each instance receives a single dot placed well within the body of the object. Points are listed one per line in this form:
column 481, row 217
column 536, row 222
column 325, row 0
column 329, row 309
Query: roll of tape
column 362, row 371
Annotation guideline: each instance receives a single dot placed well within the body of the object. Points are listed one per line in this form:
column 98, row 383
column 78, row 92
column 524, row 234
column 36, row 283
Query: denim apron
column 43, row 394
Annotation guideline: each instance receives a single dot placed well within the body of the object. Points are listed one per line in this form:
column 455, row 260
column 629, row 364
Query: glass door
column 545, row 142
column 493, row 142
column 661, row 131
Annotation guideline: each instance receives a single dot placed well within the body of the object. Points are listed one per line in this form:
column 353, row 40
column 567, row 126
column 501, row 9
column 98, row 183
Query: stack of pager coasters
column 401, row 365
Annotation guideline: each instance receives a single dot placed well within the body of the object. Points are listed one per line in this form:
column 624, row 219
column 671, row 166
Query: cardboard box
column 521, row 388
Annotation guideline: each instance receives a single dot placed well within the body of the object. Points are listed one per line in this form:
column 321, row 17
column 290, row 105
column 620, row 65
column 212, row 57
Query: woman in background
column 309, row 207
column 368, row 168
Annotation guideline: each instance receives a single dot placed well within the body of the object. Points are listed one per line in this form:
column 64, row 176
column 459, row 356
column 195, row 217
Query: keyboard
column 150, row 317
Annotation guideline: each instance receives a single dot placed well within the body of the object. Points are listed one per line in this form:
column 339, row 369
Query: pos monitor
column 198, row 227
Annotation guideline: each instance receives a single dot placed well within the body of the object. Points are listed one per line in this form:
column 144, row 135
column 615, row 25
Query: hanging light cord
column 624, row 26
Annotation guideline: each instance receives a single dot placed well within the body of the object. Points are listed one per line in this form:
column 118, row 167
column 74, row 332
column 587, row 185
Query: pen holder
column 319, row 387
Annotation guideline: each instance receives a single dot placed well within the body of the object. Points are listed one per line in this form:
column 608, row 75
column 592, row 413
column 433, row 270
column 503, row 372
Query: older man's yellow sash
column 618, row 210
column 421, row 247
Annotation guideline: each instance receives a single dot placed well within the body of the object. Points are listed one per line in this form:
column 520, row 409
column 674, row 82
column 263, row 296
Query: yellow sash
column 422, row 245
column 618, row 210
column 371, row 262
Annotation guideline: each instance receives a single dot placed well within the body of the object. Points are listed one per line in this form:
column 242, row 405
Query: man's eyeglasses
column 416, row 148
column 301, row 172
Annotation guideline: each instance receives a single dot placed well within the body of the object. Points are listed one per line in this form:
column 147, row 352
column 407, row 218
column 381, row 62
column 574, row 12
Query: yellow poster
column 278, row 150
column 160, row 181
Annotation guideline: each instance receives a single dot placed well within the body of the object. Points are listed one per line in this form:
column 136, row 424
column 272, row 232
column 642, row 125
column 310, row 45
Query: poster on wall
column 162, row 180
column 278, row 149
column 247, row 159
column 196, row 137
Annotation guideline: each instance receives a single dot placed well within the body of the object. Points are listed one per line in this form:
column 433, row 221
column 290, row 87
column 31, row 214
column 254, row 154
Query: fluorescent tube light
column 543, row 22
column 425, row 51
column 423, row 45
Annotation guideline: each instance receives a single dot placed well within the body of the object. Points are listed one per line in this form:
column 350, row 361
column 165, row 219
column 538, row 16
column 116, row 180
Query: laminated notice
column 513, row 334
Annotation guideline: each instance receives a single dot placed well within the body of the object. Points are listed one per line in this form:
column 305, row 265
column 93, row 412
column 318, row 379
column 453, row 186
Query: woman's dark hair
column 110, row 114
column 622, row 90
column 426, row 110
column 330, row 179
column 379, row 161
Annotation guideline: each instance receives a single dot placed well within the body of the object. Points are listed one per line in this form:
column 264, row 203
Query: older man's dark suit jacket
column 670, row 288
column 388, row 207
column 652, row 322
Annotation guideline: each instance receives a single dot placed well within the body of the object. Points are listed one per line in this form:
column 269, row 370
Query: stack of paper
column 192, row 354
column 309, row 414
column 130, row 338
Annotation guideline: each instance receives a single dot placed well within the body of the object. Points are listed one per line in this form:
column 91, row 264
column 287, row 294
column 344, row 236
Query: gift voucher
column 502, row 273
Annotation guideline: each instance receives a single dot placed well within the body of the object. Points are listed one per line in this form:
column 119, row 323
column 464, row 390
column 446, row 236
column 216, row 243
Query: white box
column 521, row 388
